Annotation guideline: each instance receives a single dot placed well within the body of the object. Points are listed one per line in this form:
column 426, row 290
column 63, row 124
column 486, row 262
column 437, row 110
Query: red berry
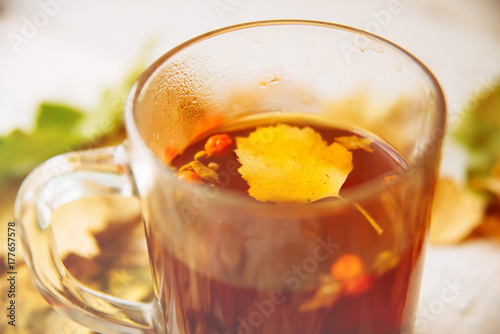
column 218, row 145
column 347, row 266
column 189, row 176
column 356, row 286
column 350, row 270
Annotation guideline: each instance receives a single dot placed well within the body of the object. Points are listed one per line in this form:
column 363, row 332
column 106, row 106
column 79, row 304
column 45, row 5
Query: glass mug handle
column 58, row 181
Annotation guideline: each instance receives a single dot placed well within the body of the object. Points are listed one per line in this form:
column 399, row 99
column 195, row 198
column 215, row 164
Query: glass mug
column 222, row 262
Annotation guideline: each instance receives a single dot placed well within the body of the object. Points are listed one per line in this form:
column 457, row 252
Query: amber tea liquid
column 239, row 271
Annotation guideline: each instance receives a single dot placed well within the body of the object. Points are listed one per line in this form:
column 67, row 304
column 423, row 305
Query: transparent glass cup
column 221, row 262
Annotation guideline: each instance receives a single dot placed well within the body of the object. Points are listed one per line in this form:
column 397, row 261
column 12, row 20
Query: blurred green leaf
column 479, row 133
column 56, row 115
column 21, row 151
column 61, row 128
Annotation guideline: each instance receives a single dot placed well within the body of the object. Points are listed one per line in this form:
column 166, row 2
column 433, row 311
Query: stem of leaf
column 372, row 221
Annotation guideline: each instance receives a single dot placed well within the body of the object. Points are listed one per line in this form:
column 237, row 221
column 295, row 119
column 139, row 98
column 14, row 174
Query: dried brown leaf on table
column 490, row 186
column 490, row 227
column 490, row 183
column 456, row 212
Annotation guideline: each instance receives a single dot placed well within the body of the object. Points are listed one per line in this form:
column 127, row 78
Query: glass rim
column 358, row 193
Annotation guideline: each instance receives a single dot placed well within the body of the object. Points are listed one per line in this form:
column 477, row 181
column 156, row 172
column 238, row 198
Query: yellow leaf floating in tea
column 355, row 143
column 287, row 164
